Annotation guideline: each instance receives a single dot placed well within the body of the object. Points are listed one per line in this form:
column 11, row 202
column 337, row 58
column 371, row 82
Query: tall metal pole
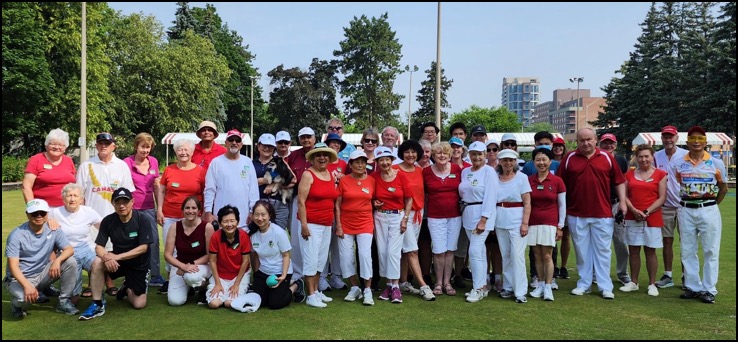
column 576, row 113
column 251, row 132
column 438, row 72
column 409, row 97
column 83, row 154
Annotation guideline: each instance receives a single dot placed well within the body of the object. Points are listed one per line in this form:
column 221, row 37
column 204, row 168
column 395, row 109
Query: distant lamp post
column 251, row 132
column 409, row 96
column 576, row 114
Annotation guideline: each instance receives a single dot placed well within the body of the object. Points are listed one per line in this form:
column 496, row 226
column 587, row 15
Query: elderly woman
column 441, row 182
column 478, row 190
column 298, row 163
column 266, row 156
column 548, row 212
column 190, row 237
column 48, row 172
column 316, row 196
column 511, row 224
column 75, row 220
column 369, row 142
column 145, row 174
column 354, row 222
column 338, row 169
column 646, row 186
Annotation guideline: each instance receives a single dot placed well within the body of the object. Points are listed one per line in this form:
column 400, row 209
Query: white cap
column 305, row 131
column 383, row 151
column 493, row 141
column 507, row 153
column 477, row 146
column 356, row 155
column 35, row 205
column 283, row 136
column 267, row 139
column 508, row 136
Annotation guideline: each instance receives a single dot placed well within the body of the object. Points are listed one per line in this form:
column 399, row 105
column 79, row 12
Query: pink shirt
column 50, row 178
column 143, row 197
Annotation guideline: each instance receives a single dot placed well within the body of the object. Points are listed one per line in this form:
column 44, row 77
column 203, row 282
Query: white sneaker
column 407, row 287
column 534, row 282
column 336, row 283
column 608, row 295
column 323, row 298
column 578, row 291
column 538, row 292
column 426, row 293
column 653, row 290
column 474, row 296
column 629, row 287
column 354, row 294
column 323, row 284
column 554, row 285
column 315, row 302
column 548, row 294
column 368, row 300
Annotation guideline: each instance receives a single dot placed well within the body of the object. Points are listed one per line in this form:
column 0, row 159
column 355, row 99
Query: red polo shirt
column 588, row 181
column 202, row 158
column 544, row 200
column 230, row 255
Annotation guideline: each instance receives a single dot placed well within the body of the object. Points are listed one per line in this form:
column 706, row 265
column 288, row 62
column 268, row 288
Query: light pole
column 83, row 153
column 586, row 110
column 576, row 114
column 438, row 72
column 251, row 132
column 409, row 96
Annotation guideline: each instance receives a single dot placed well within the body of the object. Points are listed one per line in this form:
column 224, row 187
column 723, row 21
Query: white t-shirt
column 231, row 182
column 511, row 191
column 672, row 185
column 479, row 186
column 76, row 225
column 269, row 247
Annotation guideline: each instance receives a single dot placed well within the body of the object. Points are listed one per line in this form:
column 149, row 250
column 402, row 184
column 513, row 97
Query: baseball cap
column 478, row 146
column 456, row 141
column 105, row 137
column 559, row 141
column 493, row 141
column 305, row 131
column 233, row 132
column 478, row 129
column 283, row 136
column 207, row 124
column 507, row 153
column 383, row 151
column 608, row 136
column 669, row 130
column 356, row 155
column 697, row 129
column 267, row 139
column 121, row 193
column 37, row 204
column 508, row 136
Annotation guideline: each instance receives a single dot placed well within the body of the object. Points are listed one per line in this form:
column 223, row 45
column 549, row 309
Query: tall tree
column 369, row 59
column 721, row 78
column 494, row 119
column 427, row 99
column 183, row 21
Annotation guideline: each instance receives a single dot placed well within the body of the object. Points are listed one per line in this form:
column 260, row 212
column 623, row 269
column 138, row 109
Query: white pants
column 334, row 256
column 444, row 233
column 348, row 259
column 315, row 249
column 410, row 237
column 512, row 248
column 620, row 245
column 179, row 285
column 592, row 237
column 707, row 225
column 389, row 244
column 478, row 257
column 295, row 238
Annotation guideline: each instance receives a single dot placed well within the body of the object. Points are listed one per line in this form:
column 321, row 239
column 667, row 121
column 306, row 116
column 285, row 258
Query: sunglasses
column 509, row 143
column 494, row 149
column 697, row 138
column 283, row 142
column 371, row 141
column 38, row 214
column 335, row 128
column 238, row 140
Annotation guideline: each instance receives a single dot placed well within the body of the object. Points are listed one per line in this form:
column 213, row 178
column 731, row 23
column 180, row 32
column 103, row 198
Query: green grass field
column 629, row 316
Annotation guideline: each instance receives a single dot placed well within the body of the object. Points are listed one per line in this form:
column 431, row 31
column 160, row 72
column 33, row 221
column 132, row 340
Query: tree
column 370, row 61
column 427, row 100
column 539, row 127
column 494, row 119
column 721, row 80
column 183, row 21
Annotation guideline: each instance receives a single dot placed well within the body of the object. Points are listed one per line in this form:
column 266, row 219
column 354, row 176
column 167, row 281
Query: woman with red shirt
column 48, row 172
column 646, row 189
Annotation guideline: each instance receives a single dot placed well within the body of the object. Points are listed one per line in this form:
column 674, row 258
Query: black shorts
column 135, row 279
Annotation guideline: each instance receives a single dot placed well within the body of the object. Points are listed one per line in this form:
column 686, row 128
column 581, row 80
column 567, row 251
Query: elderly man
column 390, row 135
column 29, row 269
column 588, row 173
column 207, row 149
column 130, row 233
column 335, row 125
column 231, row 179
column 702, row 186
column 663, row 159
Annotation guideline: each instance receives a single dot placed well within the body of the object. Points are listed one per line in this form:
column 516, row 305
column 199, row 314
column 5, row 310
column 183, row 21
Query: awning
column 170, row 138
column 654, row 138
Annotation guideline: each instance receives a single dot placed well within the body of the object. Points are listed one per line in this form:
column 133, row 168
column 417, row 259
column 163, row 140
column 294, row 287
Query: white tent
column 654, row 138
column 170, row 138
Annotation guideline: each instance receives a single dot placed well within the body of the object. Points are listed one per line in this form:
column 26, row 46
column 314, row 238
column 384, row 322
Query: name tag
column 453, row 175
column 47, row 166
column 649, row 180
column 195, row 244
column 370, row 167
column 540, row 187
column 153, row 172
column 175, row 185
column 391, row 189
column 133, row 234
column 235, row 245
column 365, row 190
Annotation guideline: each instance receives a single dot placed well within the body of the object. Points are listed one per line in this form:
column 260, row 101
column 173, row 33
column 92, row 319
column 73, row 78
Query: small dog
column 279, row 175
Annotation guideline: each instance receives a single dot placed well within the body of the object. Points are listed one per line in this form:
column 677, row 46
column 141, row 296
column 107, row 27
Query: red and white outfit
column 444, row 217
column 357, row 223
column 642, row 193
column 547, row 209
column 410, row 237
column 228, row 263
column 319, row 213
column 387, row 220
column 509, row 218
column 298, row 164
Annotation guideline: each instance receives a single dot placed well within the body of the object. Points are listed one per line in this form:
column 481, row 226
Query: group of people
column 382, row 211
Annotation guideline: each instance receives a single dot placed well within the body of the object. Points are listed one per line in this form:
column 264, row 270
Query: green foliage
column 495, row 119
column 427, row 100
column 369, row 59
column 13, row 169
column 539, row 127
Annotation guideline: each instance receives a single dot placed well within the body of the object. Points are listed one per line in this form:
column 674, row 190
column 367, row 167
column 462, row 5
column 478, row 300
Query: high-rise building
column 520, row 95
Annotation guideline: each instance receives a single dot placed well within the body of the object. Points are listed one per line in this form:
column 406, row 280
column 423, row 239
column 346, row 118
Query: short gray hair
column 57, row 134
column 182, row 142
column 71, row 187
column 424, row 143
column 328, row 123
column 397, row 133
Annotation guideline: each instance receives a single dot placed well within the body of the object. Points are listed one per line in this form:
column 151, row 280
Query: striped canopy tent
column 170, row 138
column 654, row 138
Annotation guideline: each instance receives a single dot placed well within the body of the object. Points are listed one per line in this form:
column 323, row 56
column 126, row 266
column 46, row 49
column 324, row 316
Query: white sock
column 668, row 273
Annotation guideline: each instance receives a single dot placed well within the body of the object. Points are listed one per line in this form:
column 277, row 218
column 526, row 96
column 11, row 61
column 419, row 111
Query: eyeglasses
column 371, row 141
column 494, row 149
column 283, row 142
column 57, row 145
column 509, row 143
column 38, row 214
column 335, row 128
column 429, row 132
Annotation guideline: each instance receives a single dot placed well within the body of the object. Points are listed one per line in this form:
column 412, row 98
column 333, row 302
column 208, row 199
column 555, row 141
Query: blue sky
column 480, row 42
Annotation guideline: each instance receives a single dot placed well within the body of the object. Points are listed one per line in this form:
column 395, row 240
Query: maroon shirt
column 544, row 200
column 298, row 163
column 190, row 247
column 588, row 182
column 442, row 194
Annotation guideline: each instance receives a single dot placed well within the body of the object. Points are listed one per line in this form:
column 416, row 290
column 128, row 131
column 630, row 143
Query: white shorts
column 224, row 296
column 542, row 234
column 410, row 237
column 638, row 234
column 444, row 233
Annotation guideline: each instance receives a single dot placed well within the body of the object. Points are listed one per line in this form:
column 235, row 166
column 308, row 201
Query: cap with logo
column 456, row 141
column 35, row 205
column 477, row 146
column 478, row 129
column 121, row 193
column 234, row 133
column 383, row 151
column 559, row 141
column 669, row 130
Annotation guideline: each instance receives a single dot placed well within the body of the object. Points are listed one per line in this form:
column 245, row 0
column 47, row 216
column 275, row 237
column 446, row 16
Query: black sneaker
column 556, row 272
column 51, row 291
column 300, row 292
column 708, row 298
column 202, row 296
column 122, row 292
column 459, row 282
column 466, row 274
column 564, row 273
column 164, row 288
column 42, row 298
column 689, row 294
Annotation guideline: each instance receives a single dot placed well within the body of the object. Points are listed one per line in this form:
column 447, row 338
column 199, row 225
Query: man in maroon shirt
column 588, row 173
column 207, row 149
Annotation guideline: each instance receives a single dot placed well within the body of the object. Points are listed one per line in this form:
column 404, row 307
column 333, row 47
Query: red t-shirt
column 443, row 194
column 50, row 178
column 339, row 167
column 356, row 205
column 588, row 182
column 642, row 193
column 229, row 255
column 202, row 158
column 180, row 184
column 392, row 193
column 321, row 201
column 415, row 178
column 544, row 200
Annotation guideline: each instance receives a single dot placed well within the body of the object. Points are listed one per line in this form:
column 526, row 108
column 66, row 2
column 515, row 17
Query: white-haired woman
column 49, row 171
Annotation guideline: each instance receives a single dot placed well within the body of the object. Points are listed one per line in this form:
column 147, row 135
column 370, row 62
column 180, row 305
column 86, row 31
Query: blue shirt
column 346, row 152
column 33, row 249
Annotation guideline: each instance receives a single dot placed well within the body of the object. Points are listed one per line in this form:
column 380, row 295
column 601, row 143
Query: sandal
column 86, row 293
column 438, row 290
column 112, row 291
column 450, row 290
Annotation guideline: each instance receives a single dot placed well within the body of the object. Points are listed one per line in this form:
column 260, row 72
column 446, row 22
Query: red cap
column 558, row 140
column 696, row 129
column 233, row 132
column 608, row 136
column 669, row 130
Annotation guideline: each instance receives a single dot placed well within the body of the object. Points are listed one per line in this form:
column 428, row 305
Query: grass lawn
column 629, row 316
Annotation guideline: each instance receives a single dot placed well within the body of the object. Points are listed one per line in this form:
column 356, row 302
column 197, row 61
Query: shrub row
column 13, row 168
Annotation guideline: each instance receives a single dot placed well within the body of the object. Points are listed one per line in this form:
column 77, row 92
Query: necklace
column 358, row 180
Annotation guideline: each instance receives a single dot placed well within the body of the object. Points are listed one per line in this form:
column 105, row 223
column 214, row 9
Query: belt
column 394, row 211
column 698, row 205
column 614, row 201
column 470, row 203
column 510, row 204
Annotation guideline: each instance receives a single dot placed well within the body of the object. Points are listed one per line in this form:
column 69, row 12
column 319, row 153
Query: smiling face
column 143, row 150
column 669, row 140
column 542, row 162
column 266, row 151
column 190, row 210
column 184, row 153
column 358, row 166
column 508, row 164
column 385, row 163
column 410, row 156
column 320, row 160
column 37, row 218
column 56, row 148
column 105, row 149
column 370, row 142
column 229, row 224
column 261, row 216
column 307, row 141
column 457, row 151
column 72, row 200
column 234, row 144
column 389, row 138
column 696, row 142
column 477, row 158
column 206, row 134
column 123, row 206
